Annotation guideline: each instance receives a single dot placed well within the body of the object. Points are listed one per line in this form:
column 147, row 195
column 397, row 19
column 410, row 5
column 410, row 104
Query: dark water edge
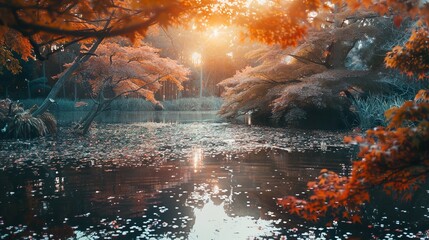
column 182, row 181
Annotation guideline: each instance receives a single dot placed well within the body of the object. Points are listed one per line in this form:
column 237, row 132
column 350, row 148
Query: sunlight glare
column 211, row 222
column 214, row 33
column 287, row 60
column 215, row 189
column 259, row 2
column 196, row 58
column 197, row 158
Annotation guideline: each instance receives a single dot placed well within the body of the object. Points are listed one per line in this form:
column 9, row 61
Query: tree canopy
column 288, row 84
column 121, row 70
column 37, row 25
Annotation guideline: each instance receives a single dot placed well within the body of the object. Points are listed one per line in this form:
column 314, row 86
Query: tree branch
column 137, row 89
column 306, row 60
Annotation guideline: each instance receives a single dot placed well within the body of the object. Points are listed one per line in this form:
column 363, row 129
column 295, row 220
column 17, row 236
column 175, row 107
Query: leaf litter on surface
column 227, row 150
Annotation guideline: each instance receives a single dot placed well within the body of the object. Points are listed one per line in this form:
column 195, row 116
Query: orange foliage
column 48, row 22
column 413, row 58
column 44, row 23
column 13, row 41
column 395, row 158
column 124, row 70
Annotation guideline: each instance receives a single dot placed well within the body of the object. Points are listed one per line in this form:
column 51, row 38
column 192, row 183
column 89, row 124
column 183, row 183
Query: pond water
column 201, row 180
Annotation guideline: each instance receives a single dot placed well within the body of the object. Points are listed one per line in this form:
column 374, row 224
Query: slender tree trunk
column 85, row 123
column 89, row 119
column 58, row 85
column 81, row 122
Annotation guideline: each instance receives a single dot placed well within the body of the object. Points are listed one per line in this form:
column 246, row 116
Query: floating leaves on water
column 138, row 181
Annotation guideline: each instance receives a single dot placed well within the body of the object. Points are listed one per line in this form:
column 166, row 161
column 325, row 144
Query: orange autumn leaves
column 122, row 69
column 48, row 22
column 394, row 159
column 13, row 42
column 413, row 57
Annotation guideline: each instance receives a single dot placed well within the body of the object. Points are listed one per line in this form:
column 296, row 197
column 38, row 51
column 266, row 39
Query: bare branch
column 306, row 60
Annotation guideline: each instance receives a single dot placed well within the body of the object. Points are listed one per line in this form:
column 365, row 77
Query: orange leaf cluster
column 13, row 42
column 413, row 58
column 49, row 22
column 127, row 70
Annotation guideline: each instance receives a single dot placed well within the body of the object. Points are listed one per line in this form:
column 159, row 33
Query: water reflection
column 59, row 184
column 181, row 181
column 248, row 118
column 197, row 158
column 212, row 222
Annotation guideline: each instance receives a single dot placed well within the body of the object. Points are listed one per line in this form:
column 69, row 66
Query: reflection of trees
column 251, row 187
column 128, row 190
column 34, row 206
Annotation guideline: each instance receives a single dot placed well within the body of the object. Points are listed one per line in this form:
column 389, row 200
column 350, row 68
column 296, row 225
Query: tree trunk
column 58, row 85
column 85, row 123
column 88, row 121
column 81, row 122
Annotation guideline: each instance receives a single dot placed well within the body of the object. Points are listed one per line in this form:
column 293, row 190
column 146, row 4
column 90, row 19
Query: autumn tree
column 120, row 69
column 394, row 159
column 297, row 85
column 38, row 25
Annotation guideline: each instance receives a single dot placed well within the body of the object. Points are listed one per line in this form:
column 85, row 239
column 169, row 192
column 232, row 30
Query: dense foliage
column 296, row 86
column 124, row 70
column 395, row 159
column 413, row 57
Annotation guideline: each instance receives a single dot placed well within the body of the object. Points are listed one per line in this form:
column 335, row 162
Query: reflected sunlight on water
column 182, row 181
column 212, row 222
column 197, row 158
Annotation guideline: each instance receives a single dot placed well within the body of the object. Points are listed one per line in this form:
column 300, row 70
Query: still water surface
column 200, row 180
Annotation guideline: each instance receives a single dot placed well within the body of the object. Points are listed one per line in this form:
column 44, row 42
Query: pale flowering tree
column 119, row 69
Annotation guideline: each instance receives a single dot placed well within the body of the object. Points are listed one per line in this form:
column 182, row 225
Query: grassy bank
column 371, row 109
column 136, row 104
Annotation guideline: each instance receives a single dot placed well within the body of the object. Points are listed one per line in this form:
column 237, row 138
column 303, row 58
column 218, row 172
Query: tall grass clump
column 132, row 104
column 370, row 109
column 17, row 122
column 194, row 104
